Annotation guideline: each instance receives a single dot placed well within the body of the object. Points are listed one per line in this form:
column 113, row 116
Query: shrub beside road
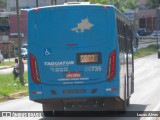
column 10, row 86
column 142, row 52
column 7, row 63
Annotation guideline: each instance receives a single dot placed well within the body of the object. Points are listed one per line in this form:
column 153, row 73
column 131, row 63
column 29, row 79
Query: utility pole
column 158, row 28
column 51, row 2
column 36, row 3
column 19, row 46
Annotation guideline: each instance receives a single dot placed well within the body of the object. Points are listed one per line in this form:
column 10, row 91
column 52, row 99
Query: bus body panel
column 60, row 38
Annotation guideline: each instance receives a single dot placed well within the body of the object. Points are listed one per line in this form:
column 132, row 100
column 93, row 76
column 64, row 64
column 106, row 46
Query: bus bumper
column 86, row 104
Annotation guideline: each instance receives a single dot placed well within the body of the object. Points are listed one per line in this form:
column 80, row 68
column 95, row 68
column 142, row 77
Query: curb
column 6, row 67
column 14, row 96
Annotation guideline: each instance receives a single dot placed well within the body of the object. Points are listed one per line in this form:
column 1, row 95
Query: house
column 148, row 18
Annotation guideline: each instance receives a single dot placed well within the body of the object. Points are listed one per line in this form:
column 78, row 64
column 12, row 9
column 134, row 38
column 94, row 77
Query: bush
column 10, row 86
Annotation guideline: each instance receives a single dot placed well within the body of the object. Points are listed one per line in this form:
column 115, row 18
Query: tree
column 153, row 3
column 131, row 4
column 99, row 1
column 119, row 4
column 3, row 3
column 3, row 21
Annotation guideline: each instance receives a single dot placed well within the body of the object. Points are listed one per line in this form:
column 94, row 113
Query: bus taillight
column 105, row 6
column 111, row 65
column 34, row 69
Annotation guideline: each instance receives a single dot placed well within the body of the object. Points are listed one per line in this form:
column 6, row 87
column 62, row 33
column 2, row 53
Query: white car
column 25, row 46
column 1, row 58
column 155, row 34
column 24, row 53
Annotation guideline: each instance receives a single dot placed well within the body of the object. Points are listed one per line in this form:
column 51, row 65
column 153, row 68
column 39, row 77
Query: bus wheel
column 128, row 101
column 47, row 110
column 125, row 105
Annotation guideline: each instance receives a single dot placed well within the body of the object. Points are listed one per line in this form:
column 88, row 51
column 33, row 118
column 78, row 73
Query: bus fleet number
column 93, row 68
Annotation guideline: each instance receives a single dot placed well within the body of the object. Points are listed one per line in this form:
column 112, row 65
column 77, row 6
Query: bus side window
column 119, row 36
column 124, row 37
column 117, row 26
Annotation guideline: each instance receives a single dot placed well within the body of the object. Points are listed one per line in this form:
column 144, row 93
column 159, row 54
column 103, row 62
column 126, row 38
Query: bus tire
column 124, row 102
column 48, row 113
column 47, row 110
column 128, row 101
column 125, row 105
column 50, row 110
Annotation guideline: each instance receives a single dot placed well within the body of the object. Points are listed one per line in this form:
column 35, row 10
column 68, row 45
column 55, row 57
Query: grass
column 11, row 63
column 10, row 86
column 142, row 52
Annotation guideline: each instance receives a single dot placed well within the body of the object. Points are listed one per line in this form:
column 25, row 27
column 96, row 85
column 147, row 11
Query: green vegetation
column 3, row 3
column 145, row 51
column 131, row 4
column 10, row 86
column 153, row 3
column 4, row 21
column 119, row 4
column 11, row 63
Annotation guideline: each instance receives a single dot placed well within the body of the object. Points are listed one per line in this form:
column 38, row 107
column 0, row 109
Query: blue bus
column 80, row 58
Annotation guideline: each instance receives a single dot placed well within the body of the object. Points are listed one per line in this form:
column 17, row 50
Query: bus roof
column 67, row 5
column 78, row 4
